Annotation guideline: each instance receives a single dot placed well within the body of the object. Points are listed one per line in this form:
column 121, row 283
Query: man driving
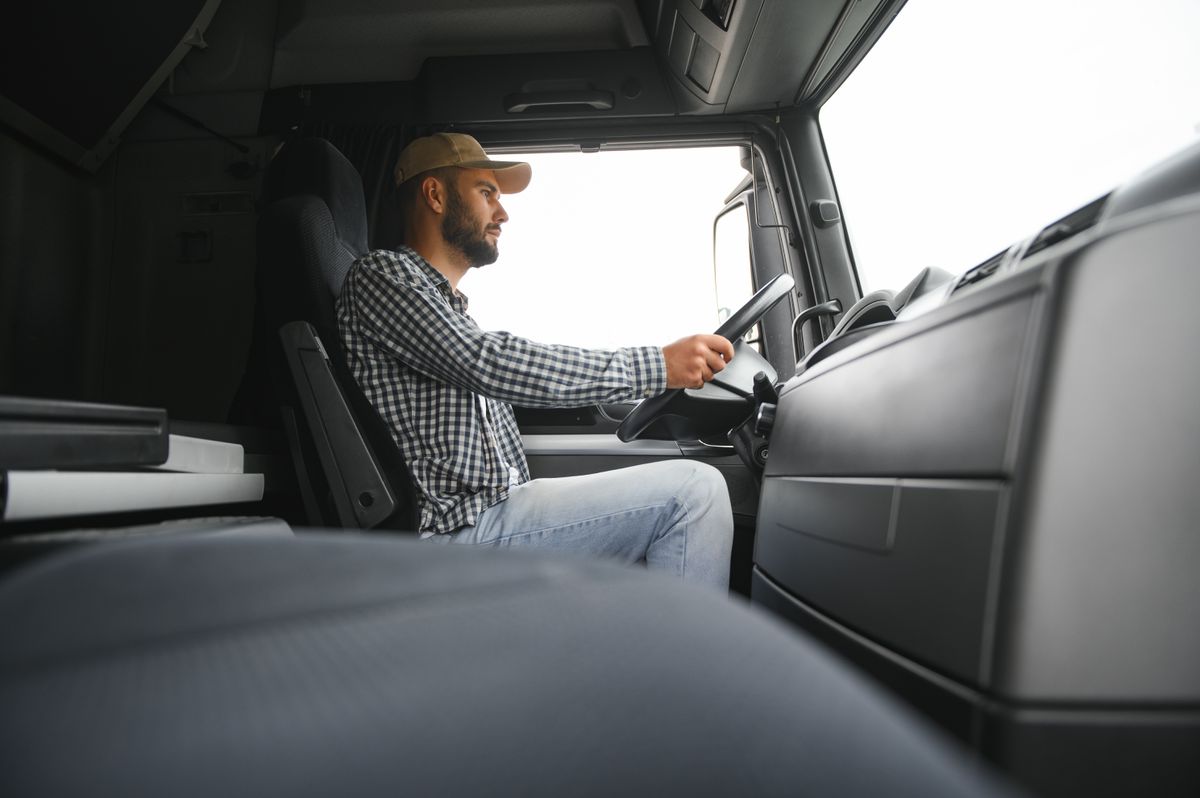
column 446, row 389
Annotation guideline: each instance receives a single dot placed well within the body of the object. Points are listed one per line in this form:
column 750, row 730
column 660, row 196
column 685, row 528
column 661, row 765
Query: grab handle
column 527, row 101
column 830, row 308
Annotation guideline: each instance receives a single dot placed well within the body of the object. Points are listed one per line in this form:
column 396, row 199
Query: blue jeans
column 674, row 515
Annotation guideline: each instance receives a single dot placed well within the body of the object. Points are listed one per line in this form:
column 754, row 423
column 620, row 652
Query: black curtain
column 373, row 151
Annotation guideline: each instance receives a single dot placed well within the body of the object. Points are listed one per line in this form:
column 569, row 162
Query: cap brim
column 511, row 176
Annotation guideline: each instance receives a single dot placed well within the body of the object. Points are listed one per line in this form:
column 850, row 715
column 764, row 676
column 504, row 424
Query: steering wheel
column 733, row 328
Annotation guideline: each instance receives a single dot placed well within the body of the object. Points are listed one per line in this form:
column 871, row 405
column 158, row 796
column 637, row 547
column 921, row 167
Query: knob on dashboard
column 764, row 419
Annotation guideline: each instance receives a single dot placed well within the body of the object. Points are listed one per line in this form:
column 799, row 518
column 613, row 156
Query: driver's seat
column 311, row 229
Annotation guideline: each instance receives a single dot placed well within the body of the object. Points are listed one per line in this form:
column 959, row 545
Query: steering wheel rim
column 648, row 410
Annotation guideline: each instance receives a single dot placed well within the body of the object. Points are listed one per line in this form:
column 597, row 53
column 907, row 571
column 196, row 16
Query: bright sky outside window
column 608, row 249
column 970, row 126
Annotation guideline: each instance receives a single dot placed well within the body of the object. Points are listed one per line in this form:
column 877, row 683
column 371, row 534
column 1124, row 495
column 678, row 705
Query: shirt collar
column 436, row 277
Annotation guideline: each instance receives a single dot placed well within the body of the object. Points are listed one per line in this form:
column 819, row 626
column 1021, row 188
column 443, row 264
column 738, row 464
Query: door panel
column 590, row 420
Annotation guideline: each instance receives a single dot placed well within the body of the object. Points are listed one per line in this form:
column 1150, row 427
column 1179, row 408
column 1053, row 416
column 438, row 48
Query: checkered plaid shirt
column 445, row 386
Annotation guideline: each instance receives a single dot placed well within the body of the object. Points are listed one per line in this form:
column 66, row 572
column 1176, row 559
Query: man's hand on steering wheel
column 693, row 361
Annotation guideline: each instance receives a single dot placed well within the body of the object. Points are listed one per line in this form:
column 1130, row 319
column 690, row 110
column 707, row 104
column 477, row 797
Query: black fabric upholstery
column 373, row 666
column 311, row 229
column 313, row 166
column 300, row 255
column 312, row 225
column 373, row 149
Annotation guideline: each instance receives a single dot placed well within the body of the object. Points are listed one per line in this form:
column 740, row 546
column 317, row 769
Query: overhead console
column 699, row 41
column 667, row 58
column 732, row 56
column 990, row 502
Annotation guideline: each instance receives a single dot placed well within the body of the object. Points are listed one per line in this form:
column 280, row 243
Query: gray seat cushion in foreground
column 347, row 665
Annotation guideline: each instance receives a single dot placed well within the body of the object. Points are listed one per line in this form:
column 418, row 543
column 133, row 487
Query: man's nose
column 501, row 215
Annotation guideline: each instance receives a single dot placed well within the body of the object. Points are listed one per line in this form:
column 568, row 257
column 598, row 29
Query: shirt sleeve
column 415, row 323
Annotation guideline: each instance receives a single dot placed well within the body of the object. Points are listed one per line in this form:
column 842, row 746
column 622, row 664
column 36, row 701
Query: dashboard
column 988, row 500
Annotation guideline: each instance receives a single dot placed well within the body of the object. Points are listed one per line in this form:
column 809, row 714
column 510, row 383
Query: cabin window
column 609, row 248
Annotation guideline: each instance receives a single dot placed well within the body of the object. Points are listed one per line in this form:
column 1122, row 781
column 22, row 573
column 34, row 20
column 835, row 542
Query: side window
column 610, row 248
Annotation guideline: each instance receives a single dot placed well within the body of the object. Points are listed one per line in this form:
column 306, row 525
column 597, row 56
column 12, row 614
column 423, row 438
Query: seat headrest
column 313, row 166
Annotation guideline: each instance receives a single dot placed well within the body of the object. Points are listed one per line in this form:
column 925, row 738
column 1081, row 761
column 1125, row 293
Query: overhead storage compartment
column 723, row 56
column 495, row 88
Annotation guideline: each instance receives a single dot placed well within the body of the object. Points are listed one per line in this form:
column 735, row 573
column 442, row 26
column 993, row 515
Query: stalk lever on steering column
column 767, row 398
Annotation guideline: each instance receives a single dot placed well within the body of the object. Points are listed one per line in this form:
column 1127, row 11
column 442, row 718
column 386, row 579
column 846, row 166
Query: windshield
column 968, row 127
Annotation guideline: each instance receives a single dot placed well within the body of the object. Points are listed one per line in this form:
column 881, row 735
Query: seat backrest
column 312, row 226
column 315, row 235
column 311, row 229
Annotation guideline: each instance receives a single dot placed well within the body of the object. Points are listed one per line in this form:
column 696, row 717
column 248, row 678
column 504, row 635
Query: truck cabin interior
column 965, row 509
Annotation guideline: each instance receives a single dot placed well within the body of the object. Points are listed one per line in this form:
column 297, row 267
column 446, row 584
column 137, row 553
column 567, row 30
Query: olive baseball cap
column 459, row 149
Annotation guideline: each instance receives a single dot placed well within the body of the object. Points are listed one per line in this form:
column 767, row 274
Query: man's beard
column 461, row 233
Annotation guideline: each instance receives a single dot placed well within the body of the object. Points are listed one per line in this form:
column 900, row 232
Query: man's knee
column 700, row 483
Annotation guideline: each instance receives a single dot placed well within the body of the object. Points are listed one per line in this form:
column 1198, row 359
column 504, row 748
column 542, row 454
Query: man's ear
column 433, row 194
